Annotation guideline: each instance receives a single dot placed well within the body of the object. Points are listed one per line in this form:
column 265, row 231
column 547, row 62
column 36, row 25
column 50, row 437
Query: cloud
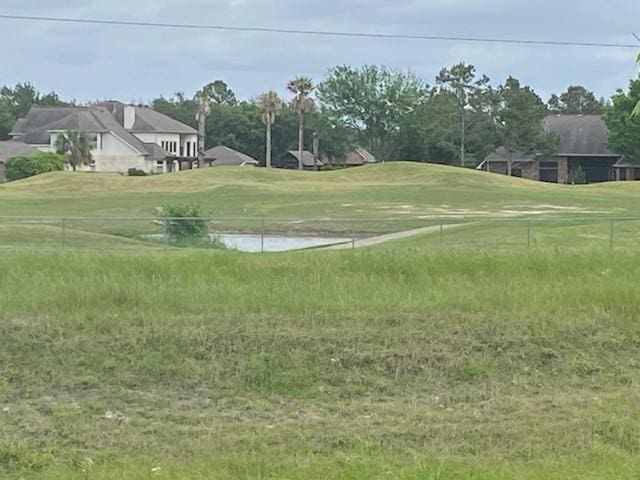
column 89, row 62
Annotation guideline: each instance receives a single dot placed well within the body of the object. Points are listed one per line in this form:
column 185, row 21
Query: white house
column 124, row 136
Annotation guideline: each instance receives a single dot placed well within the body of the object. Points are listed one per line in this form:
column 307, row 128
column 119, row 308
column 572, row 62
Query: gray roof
column 156, row 152
column 110, row 123
column 13, row 148
column 225, row 156
column 307, row 158
column 35, row 127
column 502, row 155
column 579, row 134
column 148, row 120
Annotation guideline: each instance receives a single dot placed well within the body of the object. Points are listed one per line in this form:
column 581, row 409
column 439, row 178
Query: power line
column 324, row 33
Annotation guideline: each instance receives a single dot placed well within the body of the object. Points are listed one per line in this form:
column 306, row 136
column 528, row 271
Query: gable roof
column 308, row 160
column 579, row 134
column 13, row 148
column 111, row 124
column 149, row 121
column 360, row 156
column 35, row 128
column 225, row 156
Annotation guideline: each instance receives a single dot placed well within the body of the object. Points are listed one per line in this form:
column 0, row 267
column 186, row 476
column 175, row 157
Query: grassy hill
column 375, row 199
column 368, row 192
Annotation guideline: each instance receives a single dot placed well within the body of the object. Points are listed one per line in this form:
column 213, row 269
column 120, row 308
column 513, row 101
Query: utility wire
column 325, row 33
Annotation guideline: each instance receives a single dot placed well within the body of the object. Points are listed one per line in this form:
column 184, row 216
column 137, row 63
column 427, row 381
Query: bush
column 184, row 224
column 134, row 172
column 21, row 167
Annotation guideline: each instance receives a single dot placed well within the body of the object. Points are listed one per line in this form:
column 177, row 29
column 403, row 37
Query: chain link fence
column 287, row 234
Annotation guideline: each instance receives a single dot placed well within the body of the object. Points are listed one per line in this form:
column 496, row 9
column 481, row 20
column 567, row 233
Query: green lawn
column 366, row 201
column 505, row 348
column 368, row 364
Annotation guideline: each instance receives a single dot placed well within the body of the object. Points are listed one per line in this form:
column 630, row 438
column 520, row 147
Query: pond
column 275, row 243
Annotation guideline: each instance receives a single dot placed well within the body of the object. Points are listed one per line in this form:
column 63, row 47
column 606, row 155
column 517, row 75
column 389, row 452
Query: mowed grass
column 392, row 190
column 118, row 212
column 368, row 364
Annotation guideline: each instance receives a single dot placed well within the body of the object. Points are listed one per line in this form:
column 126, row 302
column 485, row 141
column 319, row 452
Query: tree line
column 458, row 120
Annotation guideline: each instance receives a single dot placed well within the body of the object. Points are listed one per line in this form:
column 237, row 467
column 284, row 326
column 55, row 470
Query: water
column 275, row 243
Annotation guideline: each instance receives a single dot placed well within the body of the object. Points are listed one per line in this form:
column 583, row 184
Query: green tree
column 21, row 167
column 179, row 108
column 270, row 104
column 636, row 110
column 215, row 93
column 520, row 114
column 577, row 100
column 373, row 102
column 624, row 128
column 461, row 81
column 15, row 103
column 76, row 147
column 301, row 88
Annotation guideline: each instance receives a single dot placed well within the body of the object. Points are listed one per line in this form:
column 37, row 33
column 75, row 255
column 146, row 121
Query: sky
column 132, row 64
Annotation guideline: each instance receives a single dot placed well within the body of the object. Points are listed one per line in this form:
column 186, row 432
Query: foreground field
column 353, row 365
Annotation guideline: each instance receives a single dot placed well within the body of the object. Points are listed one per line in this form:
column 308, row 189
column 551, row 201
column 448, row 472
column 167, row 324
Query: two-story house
column 123, row 136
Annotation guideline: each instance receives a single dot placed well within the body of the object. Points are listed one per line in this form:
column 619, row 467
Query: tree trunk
column 301, row 142
column 463, row 140
column 316, row 150
column 201, row 134
column 268, row 157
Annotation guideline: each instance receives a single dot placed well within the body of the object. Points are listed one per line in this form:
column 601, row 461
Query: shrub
column 184, row 224
column 21, row 167
column 134, row 172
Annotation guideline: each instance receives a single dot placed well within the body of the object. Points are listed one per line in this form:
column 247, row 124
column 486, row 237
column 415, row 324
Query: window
column 93, row 140
column 92, row 166
column 160, row 166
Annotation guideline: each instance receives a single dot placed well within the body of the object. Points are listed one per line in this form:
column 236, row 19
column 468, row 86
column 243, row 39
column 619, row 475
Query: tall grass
column 366, row 364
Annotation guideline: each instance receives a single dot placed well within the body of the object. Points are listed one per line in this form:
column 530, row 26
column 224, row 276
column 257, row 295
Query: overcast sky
column 89, row 62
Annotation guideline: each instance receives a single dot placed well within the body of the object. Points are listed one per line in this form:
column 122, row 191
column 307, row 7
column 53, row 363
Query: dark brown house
column 583, row 157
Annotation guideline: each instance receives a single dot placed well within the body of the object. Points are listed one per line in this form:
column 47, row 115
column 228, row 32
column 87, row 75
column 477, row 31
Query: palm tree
column 204, row 98
column 301, row 88
column 636, row 111
column 270, row 104
column 76, row 146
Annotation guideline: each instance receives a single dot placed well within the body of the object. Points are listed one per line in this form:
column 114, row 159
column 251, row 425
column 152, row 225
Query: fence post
column 353, row 243
column 441, row 231
column 262, row 236
column 529, row 233
column 166, row 233
column 611, row 235
column 64, row 233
